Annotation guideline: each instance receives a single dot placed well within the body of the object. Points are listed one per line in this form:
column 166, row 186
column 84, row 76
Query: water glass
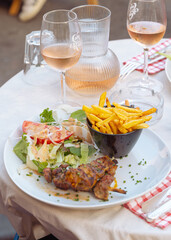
column 36, row 71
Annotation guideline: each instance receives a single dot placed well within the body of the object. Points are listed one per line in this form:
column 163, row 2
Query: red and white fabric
column 135, row 205
column 156, row 66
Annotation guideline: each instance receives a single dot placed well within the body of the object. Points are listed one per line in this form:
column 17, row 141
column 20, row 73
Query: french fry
column 90, row 119
column 94, row 118
column 108, row 129
column 149, row 111
column 140, row 126
column 127, row 109
column 101, row 109
column 113, row 127
column 132, row 123
column 102, row 99
column 122, row 129
column 118, row 119
column 103, row 115
column 108, row 103
column 132, row 118
column 103, row 129
column 107, row 120
column 120, row 114
column 127, row 103
column 95, row 128
column 87, row 109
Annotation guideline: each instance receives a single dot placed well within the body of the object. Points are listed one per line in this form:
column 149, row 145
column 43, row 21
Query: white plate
column 148, row 162
column 168, row 69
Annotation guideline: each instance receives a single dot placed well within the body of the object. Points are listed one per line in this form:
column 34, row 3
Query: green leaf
column 79, row 115
column 68, row 141
column 40, row 165
column 75, row 151
column 91, row 150
column 46, row 116
column 165, row 54
column 84, row 152
column 20, row 149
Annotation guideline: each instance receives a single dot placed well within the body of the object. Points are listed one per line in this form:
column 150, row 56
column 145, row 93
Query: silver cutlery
column 157, row 205
column 131, row 66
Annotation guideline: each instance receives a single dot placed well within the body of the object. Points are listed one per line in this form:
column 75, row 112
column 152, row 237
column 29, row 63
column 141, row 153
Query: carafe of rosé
column 98, row 67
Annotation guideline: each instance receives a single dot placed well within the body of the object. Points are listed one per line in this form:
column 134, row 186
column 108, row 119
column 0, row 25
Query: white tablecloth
column 34, row 219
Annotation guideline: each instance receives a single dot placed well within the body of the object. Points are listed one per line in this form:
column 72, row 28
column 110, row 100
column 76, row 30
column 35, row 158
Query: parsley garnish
column 46, row 116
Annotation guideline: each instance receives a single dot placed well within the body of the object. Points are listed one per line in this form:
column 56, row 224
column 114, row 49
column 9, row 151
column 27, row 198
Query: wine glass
column 146, row 24
column 61, row 43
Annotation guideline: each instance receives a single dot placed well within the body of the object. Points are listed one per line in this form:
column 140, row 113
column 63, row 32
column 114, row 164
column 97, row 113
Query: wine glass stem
column 145, row 78
column 63, row 91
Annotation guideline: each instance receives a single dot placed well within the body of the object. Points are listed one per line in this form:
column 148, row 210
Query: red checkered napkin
column 156, row 66
column 135, row 204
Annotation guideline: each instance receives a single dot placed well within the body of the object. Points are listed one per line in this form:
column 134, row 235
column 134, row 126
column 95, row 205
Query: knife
column 157, row 205
column 160, row 211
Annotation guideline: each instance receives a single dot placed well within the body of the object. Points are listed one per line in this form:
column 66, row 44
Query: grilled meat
column 101, row 190
column 95, row 176
column 47, row 172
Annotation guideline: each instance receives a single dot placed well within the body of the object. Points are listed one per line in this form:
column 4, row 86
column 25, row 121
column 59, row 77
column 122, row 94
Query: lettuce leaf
column 84, row 152
column 79, row 115
column 91, row 150
column 75, row 151
column 20, row 149
column 40, row 165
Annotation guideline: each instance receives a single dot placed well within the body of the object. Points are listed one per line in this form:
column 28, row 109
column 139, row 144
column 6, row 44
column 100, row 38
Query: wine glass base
column 152, row 84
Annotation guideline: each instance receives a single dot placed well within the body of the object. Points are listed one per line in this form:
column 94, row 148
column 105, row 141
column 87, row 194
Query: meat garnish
column 47, row 172
column 95, row 176
column 101, row 190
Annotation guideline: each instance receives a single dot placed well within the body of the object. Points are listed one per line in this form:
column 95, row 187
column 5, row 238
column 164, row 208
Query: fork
column 131, row 66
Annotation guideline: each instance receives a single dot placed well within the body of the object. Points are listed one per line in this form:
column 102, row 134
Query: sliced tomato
column 44, row 132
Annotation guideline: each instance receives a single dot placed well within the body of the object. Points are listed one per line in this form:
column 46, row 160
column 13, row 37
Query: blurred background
column 14, row 27
column 13, row 30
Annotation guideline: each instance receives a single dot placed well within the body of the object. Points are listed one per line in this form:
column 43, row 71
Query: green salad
column 70, row 149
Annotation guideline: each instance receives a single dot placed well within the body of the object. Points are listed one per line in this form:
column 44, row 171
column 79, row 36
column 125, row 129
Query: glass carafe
column 98, row 68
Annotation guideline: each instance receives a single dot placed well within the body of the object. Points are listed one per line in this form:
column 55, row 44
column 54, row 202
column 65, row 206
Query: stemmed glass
column 60, row 43
column 146, row 24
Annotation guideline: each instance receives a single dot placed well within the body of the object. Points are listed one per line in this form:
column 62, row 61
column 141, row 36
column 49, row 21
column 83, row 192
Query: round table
column 33, row 219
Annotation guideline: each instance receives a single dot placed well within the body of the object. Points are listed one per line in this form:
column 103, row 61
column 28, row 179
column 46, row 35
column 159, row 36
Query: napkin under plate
column 135, row 205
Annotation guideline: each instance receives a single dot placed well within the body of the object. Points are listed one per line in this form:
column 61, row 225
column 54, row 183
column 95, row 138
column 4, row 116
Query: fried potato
column 113, row 127
column 127, row 109
column 101, row 109
column 108, row 129
column 102, row 99
column 149, row 111
column 94, row 118
column 95, row 128
column 118, row 119
column 107, row 120
column 127, row 103
column 140, row 126
column 90, row 119
column 108, row 103
column 87, row 109
column 133, row 123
